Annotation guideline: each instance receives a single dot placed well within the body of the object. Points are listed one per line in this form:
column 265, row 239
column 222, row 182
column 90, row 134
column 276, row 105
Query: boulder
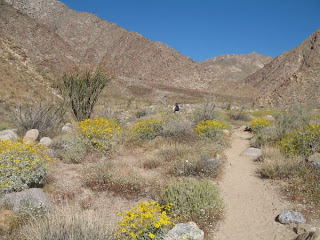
column 289, row 217
column 311, row 235
column 33, row 198
column 31, row 135
column 242, row 128
column 7, row 220
column 252, row 152
column 45, row 141
column 8, row 135
column 188, row 230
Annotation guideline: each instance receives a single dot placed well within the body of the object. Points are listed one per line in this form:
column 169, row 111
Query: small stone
column 188, row 230
column 31, row 135
column 270, row 118
column 242, row 128
column 252, row 152
column 45, row 141
column 8, row 135
column 311, row 235
column 289, row 217
column 226, row 132
column 33, row 198
column 7, row 220
column 66, row 128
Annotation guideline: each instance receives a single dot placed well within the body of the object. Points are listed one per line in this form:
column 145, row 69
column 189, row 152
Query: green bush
column 81, row 91
column 196, row 201
column 176, row 125
column 304, row 141
column 210, row 129
column 257, row 124
column 147, row 128
column 206, row 111
column 71, row 148
column 22, row 165
column 100, row 132
column 141, row 113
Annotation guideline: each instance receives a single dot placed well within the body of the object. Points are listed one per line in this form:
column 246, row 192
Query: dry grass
column 69, row 222
column 301, row 178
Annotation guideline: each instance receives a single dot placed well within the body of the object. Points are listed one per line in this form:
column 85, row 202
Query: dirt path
column 251, row 203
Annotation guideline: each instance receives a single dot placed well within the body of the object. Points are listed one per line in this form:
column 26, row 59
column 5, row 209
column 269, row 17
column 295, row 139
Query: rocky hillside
column 233, row 67
column 58, row 38
column 292, row 77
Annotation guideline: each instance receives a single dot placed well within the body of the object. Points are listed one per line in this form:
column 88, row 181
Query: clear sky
column 204, row 29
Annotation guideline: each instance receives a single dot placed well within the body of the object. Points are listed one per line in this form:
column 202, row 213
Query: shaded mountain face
column 291, row 78
column 233, row 67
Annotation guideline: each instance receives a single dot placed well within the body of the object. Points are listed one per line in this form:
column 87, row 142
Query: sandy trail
column 251, row 203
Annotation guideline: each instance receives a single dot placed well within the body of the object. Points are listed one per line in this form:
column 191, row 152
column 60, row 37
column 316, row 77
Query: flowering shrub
column 210, row 128
column 147, row 128
column 256, row 124
column 197, row 201
column 147, row 220
column 303, row 141
column 99, row 131
column 22, row 165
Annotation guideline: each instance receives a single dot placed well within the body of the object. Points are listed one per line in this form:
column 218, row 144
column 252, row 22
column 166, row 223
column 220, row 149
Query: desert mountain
column 291, row 78
column 233, row 67
column 57, row 39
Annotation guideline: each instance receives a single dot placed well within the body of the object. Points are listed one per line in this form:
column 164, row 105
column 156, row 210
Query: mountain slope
column 291, row 78
column 233, row 67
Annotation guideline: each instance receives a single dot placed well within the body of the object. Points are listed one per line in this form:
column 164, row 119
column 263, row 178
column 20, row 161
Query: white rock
column 8, row 135
column 31, row 135
column 45, row 141
column 289, row 217
column 188, row 230
column 252, row 152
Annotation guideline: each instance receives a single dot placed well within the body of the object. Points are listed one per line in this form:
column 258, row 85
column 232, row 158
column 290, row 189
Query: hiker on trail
column 176, row 108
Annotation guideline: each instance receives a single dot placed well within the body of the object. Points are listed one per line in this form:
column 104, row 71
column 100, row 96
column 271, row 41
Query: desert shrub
column 22, row 165
column 196, row 201
column 291, row 119
column 81, row 90
column 266, row 136
column 210, row 129
column 147, row 128
column 302, row 179
column 100, row 131
column 257, row 124
column 202, row 166
column 68, row 223
column 175, row 125
column 123, row 180
column 304, row 141
column 206, row 111
column 71, row 148
column 42, row 116
column 238, row 114
column 141, row 113
column 147, row 220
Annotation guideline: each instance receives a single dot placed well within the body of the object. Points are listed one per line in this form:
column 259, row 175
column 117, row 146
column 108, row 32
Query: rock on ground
column 31, row 135
column 33, row 198
column 188, row 230
column 289, row 217
column 67, row 128
column 8, row 135
column 7, row 220
column 252, row 152
column 45, row 141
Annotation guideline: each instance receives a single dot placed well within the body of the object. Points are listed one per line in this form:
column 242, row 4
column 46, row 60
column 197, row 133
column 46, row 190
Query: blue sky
column 207, row 28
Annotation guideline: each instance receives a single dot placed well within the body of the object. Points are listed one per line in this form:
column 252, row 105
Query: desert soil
column 252, row 203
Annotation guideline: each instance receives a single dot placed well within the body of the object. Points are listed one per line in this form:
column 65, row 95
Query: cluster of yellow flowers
column 147, row 128
column 145, row 221
column 303, row 141
column 257, row 123
column 210, row 128
column 100, row 131
column 22, row 164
